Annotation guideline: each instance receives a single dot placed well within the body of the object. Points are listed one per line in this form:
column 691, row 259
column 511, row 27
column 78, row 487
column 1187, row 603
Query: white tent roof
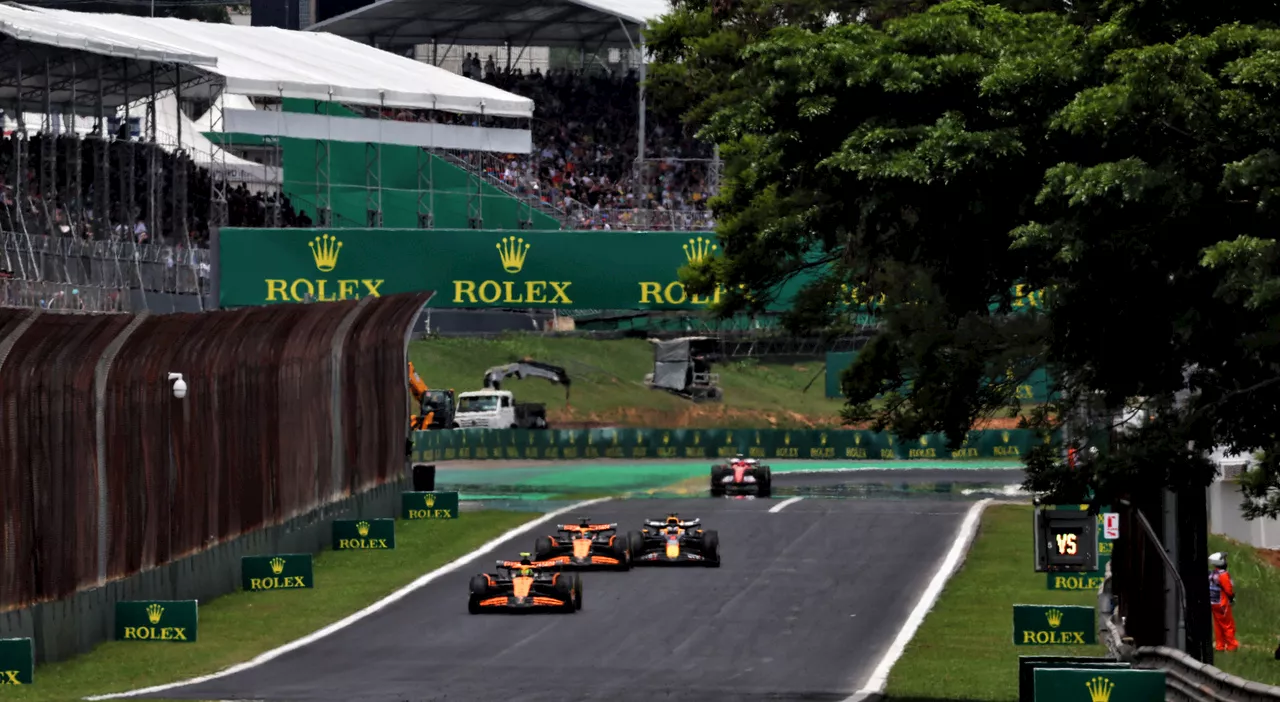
column 199, row 148
column 23, row 24
column 224, row 101
column 271, row 62
column 591, row 24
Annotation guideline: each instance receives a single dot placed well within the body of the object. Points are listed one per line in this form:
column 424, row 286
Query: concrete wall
column 1224, row 507
column 73, row 626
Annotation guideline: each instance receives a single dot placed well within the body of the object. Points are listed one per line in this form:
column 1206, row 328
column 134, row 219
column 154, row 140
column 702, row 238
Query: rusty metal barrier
column 103, row 473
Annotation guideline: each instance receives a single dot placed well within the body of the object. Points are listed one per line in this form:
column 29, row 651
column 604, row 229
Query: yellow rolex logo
column 154, row 612
column 1100, row 689
column 699, row 250
column 666, row 437
column 924, row 441
column 1055, row 617
column 1004, row 436
column 728, row 437
column 823, row 438
column 277, row 565
column 857, row 439
column 325, row 252
column 512, row 251
column 362, row 528
column 697, row 438
column 786, row 438
column 430, row 499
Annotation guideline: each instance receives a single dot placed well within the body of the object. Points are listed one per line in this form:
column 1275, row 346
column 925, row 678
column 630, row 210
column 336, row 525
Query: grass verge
column 1257, row 612
column 236, row 627
column 964, row 650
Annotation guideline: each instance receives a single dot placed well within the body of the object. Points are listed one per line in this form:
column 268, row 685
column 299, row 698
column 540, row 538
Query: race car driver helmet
column 524, row 559
column 1218, row 560
column 526, row 572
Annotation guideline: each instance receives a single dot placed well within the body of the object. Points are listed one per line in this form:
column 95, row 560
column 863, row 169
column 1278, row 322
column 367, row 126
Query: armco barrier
column 706, row 444
column 108, row 475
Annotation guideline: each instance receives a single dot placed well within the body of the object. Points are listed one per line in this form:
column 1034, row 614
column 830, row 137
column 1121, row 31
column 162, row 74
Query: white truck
column 497, row 409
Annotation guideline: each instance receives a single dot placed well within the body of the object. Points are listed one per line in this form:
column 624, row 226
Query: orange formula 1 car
column 526, row 586
column 587, row 546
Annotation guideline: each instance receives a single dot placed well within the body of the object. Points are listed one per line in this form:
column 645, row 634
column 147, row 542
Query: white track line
column 367, row 611
column 783, row 505
column 959, row 548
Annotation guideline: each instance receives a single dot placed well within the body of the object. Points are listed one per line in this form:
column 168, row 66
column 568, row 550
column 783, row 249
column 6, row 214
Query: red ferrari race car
column 741, row 476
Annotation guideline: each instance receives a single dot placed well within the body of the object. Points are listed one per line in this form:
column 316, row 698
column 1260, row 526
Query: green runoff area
column 239, row 626
column 964, row 649
column 1257, row 609
column 608, row 383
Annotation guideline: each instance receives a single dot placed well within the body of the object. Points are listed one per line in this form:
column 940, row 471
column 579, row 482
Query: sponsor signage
column 1054, row 625
column 175, row 621
column 428, row 505
column 364, row 534
column 17, row 662
column 285, row 571
column 1099, row 685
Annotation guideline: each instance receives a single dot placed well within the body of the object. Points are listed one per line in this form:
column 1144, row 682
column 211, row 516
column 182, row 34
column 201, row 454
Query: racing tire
column 764, row 482
column 479, row 585
column 711, row 548
column 577, row 591
column 565, row 589
column 473, row 604
column 542, row 547
column 635, row 544
column 717, row 475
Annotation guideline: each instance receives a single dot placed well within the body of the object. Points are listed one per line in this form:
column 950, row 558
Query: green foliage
column 1119, row 155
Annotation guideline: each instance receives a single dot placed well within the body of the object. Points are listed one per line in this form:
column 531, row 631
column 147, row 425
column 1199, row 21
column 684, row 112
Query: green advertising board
column 1099, row 685
column 17, row 662
column 1028, row 665
column 1085, row 581
column 1054, row 625
column 284, row 571
column 711, row 444
column 176, row 621
column 467, row 267
column 428, row 505
column 364, row 534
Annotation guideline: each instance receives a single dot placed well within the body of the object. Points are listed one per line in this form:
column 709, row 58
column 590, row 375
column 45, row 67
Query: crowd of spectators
column 39, row 202
column 585, row 145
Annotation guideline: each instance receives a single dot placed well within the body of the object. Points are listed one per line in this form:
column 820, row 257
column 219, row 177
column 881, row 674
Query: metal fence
column 105, row 474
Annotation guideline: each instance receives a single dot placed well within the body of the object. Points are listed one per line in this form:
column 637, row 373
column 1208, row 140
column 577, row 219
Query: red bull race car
column 674, row 541
column 741, row 476
column 525, row 586
column 588, row 546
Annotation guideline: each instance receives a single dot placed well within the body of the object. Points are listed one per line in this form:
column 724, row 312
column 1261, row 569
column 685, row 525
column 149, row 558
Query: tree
column 1118, row 157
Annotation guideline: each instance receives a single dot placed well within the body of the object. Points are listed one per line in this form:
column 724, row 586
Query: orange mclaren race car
column 586, row 546
column 676, row 541
column 525, row 586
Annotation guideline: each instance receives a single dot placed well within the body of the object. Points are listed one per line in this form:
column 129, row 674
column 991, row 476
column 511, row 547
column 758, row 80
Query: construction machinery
column 436, row 408
column 495, row 408
column 683, row 367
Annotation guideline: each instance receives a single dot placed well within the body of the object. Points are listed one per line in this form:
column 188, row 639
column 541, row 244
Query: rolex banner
column 285, row 571
column 428, row 505
column 466, row 267
column 364, row 534
column 17, row 662
column 1103, row 684
column 1054, row 625
column 713, row 444
column 175, row 621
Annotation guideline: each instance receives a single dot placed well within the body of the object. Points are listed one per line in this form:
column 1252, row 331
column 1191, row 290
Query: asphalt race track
column 807, row 601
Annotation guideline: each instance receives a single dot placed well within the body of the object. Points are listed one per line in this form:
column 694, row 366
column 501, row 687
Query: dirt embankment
column 713, row 417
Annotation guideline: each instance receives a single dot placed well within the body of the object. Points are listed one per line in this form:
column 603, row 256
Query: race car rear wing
column 660, row 523
column 589, row 527
column 536, row 565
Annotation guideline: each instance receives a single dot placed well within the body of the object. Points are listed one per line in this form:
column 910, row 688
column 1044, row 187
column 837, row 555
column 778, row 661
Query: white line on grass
column 367, row 611
column 964, row 536
column 783, row 505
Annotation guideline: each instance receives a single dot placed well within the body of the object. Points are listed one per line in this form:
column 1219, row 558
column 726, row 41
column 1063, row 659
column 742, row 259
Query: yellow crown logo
column 1004, row 436
column 666, row 437
column 924, row 441
column 431, row 499
column 728, row 437
column 154, row 612
column 1055, row 617
column 325, row 251
column 699, row 250
column 786, row 438
column 1100, row 689
column 277, row 565
column 857, row 439
column 512, row 251
column 697, row 438
column 362, row 528
column 823, row 438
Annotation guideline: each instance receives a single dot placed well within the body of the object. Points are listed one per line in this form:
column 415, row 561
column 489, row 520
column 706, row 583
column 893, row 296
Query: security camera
column 179, row 385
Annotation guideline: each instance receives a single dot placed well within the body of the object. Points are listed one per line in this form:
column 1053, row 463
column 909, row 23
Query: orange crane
column 435, row 407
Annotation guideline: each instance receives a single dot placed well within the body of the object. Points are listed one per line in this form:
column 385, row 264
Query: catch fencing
column 104, row 473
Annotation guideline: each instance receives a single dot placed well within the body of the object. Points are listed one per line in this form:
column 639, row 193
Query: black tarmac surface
column 805, row 605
